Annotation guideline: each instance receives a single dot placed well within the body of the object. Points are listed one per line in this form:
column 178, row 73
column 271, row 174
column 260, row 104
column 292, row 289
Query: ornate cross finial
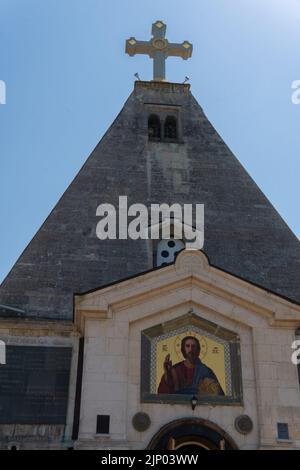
column 159, row 49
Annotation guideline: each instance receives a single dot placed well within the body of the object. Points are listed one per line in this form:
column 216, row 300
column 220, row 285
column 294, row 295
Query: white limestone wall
column 278, row 385
column 264, row 322
column 111, row 382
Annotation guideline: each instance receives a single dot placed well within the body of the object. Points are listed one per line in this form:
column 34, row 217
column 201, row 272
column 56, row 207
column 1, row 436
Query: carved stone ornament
column 141, row 421
column 243, row 424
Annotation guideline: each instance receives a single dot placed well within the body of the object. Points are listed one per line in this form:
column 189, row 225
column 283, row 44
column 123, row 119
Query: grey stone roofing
column 244, row 234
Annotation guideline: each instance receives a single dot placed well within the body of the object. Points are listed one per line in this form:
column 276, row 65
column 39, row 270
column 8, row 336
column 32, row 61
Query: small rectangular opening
column 103, row 424
column 283, row 431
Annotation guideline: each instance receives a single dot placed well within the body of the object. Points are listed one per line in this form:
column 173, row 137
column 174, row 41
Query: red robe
column 190, row 380
column 181, row 377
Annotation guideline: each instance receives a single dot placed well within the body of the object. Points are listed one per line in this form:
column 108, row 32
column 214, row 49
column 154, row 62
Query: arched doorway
column 191, row 435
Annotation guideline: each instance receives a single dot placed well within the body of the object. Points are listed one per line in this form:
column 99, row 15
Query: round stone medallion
column 141, row 421
column 243, row 424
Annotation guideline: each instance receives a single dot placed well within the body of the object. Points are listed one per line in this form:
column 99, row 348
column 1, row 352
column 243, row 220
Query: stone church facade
column 89, row 323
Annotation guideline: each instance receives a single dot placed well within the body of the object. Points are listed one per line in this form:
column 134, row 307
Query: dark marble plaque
column 34, row 385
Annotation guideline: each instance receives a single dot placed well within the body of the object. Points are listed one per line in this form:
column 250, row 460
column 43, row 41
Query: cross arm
column 183, row 50
column 137, row 47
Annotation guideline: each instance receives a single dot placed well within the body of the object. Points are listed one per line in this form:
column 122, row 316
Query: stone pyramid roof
column 244, row 234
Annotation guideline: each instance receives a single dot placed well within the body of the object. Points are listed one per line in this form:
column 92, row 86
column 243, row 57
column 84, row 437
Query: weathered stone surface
column 243, row 232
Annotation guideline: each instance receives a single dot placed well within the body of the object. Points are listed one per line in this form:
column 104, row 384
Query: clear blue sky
column 67, row 77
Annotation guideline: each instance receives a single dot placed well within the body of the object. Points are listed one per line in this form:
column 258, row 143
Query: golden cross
column 159, row 49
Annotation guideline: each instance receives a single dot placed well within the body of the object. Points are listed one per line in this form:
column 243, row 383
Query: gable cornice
column 191, row 269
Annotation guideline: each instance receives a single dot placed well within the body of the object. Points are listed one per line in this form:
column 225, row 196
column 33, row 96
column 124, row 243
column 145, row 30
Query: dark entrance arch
column 191, row 434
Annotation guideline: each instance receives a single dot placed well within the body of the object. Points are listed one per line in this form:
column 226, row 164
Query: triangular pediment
column 191, row 280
